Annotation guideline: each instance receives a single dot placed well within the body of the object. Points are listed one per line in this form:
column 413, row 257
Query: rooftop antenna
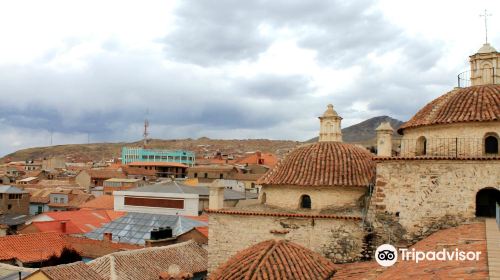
column 146, row 132
column 486, row 15
column 51, row 134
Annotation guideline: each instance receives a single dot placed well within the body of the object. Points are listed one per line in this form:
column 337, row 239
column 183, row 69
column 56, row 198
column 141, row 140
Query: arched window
column 491, row 144
column 263, row 198
column 305, row 202
column 486, row 200
column 421, row 146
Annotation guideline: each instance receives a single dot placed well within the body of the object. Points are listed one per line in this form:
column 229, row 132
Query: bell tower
column 485, row 66
column 329, row 130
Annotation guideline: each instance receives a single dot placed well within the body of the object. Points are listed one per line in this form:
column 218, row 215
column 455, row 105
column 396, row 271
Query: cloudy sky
column 224, row 68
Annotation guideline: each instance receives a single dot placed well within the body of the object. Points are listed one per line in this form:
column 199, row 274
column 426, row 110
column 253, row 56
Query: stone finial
column 384, row 126
column 330, row 130
column 216, row 197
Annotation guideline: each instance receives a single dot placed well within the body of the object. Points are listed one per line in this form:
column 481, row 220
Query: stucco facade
column 448, row 140
column 289, row 197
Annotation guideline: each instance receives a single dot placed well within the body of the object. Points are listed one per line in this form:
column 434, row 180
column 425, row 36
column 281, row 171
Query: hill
column 364, row 132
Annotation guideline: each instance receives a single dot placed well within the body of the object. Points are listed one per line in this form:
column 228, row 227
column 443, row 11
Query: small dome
column 486, row 48
column 471, row 104
column 330, row 112
column 323, row 164
column 275, row 260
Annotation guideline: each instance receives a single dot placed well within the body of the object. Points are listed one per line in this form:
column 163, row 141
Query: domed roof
column 472, row 104
column 275, row 260
column 486, row 48
column 330, row 112
column 323, row 164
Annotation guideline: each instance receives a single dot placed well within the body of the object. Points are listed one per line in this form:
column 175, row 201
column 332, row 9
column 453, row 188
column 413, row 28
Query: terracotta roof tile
column 74, row 271
column 268, row 159
column 471, row 104
column 471, row 237
column 84, row 220
column 275, row 260
column 148, row 263
column 323, row 164
column 33, row 247
column 102, row 202
column 92, row 248
column 278, row 214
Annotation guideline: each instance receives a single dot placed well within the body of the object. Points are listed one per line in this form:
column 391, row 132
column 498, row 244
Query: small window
column 491, row 145
column 196, row 175
column 221, row 176
column 9, row 206
column 263, row 198
column 206, row 175
column 305, row 202
column 421, row 146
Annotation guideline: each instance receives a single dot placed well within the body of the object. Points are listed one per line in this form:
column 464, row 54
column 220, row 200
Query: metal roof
column 175, row 187
column 134, row 228
column 11, row 189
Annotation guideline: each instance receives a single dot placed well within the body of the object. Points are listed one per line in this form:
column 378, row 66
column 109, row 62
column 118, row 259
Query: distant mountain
column 364, row 132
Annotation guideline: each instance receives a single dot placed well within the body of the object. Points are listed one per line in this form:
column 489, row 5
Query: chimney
column 107, row 236
column 384, row 139
column 63, row 226
column 216, row 198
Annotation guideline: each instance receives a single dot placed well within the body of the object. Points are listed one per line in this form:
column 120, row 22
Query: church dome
column 275, row 260
column 472, row 104
column 486, row 48
column 323, row 164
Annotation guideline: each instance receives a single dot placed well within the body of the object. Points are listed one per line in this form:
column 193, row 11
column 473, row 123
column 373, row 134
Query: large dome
column 472, row 104
column 323, row 164
column 275, row 260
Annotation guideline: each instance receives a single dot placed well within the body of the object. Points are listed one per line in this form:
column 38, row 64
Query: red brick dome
column 275, row 260
column 471, row 104
column 323, row 164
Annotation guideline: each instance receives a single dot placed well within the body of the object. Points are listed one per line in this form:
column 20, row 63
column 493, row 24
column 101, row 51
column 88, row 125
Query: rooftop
column 103, row 202
column 159, row 163
column 11, row 189
column 123, row 180
column 275, row 260
column 32, row 247
column 74, row 271
column 135, row 228
column 176, row 187
column 148, row 263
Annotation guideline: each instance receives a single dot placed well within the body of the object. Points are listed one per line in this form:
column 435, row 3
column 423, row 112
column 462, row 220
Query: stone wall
column 321, row 197
column 336, row 239
column 415, row 197
column 451, row 139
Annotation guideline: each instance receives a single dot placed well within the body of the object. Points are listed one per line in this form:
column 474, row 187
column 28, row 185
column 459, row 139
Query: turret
column 330, row 130
column 384, row 139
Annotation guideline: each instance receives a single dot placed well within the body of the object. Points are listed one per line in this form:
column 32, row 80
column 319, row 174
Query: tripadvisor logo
column 387, row 255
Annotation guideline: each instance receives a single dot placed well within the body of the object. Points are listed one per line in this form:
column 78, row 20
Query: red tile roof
column 203, row 230
column 268, row 159
column 73, row 271
column 91, row 248
column 84, row 220
column 163, row 164
column 278, row 214
column 57, row 226
column 471, row 104
column 33, row 247
column 471, row 237
column 101, row 202
column 273, row 260
column 323, row 164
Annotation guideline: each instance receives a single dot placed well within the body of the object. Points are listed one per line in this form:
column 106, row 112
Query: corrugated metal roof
column 134, row 228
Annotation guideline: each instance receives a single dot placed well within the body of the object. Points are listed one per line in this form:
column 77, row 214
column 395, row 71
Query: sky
column 80, row 71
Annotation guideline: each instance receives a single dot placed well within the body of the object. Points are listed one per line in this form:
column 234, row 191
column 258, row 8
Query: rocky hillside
column 362, row 133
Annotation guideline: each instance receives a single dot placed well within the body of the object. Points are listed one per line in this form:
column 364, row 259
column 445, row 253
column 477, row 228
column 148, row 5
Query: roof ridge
column 259, row 261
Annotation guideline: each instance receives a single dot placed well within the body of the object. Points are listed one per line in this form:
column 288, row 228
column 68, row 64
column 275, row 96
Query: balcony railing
column 482, row 76
column 441, row 147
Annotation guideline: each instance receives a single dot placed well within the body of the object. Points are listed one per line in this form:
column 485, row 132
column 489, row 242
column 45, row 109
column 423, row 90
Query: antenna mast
column 146, row 132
